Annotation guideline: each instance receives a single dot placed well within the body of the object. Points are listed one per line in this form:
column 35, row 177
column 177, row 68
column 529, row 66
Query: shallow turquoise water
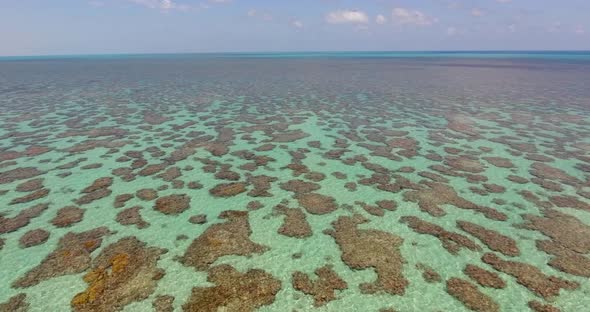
column 498, row 140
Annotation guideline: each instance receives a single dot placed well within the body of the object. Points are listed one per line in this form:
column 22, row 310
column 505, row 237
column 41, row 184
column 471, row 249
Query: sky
column 48, row 27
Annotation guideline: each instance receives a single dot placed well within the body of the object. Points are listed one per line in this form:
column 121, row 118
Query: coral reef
column 71, row 256
column 363, row 249
column 122, row 273
column 323, row 289
column 172, row 204
column 295, row 223
column 222, row 239
column 530, row 276
column 33, row 238
column 451, row 241
column 470, row 296
column 234, row 291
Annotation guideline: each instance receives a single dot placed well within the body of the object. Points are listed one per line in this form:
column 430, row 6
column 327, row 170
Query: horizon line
column 499, row 51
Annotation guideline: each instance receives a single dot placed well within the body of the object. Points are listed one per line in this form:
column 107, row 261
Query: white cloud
column 476, row 12
column 96, row 4
column 297, row 24
column 412, row 17
column 260, row 14
column 380, row 19
column 160, row 4
column 512, row 28
column 580, row 30
column 555, row 27
column 347, row 16
column 451, row 31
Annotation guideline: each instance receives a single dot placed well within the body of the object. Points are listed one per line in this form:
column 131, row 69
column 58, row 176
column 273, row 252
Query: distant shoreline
column 484, row 54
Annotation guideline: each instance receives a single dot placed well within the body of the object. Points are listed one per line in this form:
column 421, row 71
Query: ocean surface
column 440, row 181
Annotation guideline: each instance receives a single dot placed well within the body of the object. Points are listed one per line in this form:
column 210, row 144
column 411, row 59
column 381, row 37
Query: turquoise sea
column 340, row 181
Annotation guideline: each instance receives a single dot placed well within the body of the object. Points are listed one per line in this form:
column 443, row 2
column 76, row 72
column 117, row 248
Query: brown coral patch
column 132, row 216
column 217, row 148
column 351, row 186
column 226, row 174
column 295, row 223
column 71, row 256
column 323, row 289
column 470, row 296
column 339, row 175
column 98, row 184
column 462, row 124
column 262, row 185
column 124, row 272
column 147, row 194
column 120, row 200
column 198, row 219
column 298, row 169
column 530, row 276
column 428, row 273
column 494, row 240
column 234, row 291
column 568, row 240
column 30, row 185
column 181, row 153
column 570, row 202
column 315, row 176
column 494, row 188
column 299, row 186
column 548, row 185
column 163, row 303
column 95, row 195
column 30, row 197
column 534, row 199
column 544, row 171
column 152, row 169
column 228, row 189
column 23, row 218
column 451, row 241
column 33, row 238
column 373, row 210
column 433, row 176
column 364, row 249
column 254, row 205
column 154, row 118
column 16, row 303
column 316, row 203
column 564, row 229
column 517, row 179
column 539, row 157
column 484, row 277
column 499, row 162
column 18, row 174
column 265, row 147
column 386, row 204
column 566, row 260
column 540, row 307
column 288, row 136
column 430, row 200
column 463, row 163
column 67, row 216
column 91, row 166
column 170, row 174
column 194, row 185
column 229, row 238
column 172, row 204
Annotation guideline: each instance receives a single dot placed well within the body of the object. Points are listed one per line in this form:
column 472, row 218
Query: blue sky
column 41, row 27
